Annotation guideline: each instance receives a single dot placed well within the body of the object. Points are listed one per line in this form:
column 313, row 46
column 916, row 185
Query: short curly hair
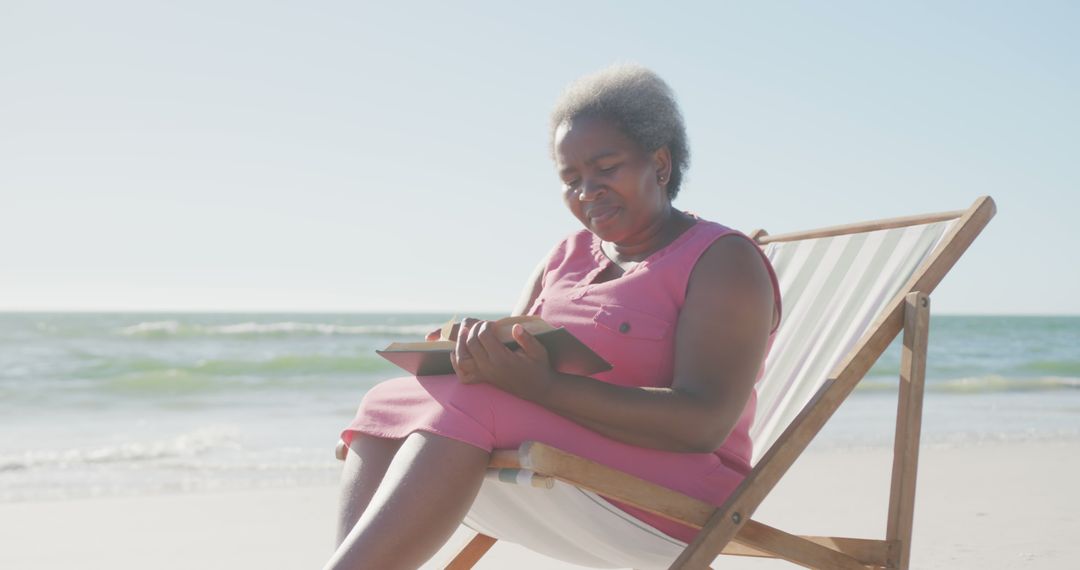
column 639, row 103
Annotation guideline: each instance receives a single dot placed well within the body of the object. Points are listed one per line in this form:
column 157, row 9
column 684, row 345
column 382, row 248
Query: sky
column 392, row 156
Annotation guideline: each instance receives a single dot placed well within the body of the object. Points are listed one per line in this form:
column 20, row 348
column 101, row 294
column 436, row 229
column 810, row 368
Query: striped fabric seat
column 833, row 289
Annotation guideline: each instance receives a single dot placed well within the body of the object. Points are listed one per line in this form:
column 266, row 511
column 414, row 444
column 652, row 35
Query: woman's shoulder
column 688, row 246
column 737, row 265
column 741, row 247
column 711, row 228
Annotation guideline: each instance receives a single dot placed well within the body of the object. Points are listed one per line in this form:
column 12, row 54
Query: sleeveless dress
column 630, row 322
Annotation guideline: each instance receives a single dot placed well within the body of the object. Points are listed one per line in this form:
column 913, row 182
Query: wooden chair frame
column 729, row 529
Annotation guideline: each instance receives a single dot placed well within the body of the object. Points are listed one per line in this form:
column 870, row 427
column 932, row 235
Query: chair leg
column 908, row 422
column 472, row 552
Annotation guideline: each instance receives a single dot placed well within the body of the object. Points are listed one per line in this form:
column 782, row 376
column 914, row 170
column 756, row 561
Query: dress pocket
column 631, row 323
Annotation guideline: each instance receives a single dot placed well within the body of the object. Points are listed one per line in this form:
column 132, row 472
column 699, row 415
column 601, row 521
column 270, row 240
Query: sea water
column 121, row 404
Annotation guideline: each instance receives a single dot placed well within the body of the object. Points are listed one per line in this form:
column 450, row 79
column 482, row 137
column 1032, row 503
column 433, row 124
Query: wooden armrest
column 614, row 484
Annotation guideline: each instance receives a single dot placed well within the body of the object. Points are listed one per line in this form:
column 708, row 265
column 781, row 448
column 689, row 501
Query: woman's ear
column 662, row 163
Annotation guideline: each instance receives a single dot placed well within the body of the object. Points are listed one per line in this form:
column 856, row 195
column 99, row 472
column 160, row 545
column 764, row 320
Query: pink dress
column 630, row 321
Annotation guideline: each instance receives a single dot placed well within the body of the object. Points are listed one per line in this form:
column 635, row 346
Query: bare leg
column 421, row 501
column 366, row 462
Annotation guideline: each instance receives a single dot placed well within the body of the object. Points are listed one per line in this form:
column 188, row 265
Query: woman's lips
column 601, row 214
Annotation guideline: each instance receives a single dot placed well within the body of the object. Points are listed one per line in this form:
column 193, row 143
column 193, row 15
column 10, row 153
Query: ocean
column 129, row 404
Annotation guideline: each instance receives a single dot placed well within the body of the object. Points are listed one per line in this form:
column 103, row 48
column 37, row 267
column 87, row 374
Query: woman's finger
column 460, row 350
column 529, row 345
column 467, row 367
column 466, row 372
column 473, row 344
column 495, row 349
column 454, row 363
column 470, row 322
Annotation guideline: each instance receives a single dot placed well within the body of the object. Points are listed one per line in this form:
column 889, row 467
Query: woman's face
column 610, row 183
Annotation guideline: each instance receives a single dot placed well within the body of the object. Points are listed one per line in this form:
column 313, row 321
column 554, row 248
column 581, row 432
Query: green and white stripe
column 832, row 288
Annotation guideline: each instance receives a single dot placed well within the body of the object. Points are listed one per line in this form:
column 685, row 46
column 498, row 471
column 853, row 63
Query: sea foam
column 287, row 328
column 184, row 445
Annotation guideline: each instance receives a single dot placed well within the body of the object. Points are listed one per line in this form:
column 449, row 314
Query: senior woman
column 682, row 307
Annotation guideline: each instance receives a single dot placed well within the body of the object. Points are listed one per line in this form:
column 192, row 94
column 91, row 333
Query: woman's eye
column 609, row 169
column 572, row 184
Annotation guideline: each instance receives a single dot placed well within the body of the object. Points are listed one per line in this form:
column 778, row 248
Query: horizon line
column 11, row 311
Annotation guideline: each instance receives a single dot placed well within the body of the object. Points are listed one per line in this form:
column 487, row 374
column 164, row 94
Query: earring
column 661, row 180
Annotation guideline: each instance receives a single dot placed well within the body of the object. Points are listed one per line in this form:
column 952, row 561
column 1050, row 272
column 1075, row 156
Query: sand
column 1006, row 505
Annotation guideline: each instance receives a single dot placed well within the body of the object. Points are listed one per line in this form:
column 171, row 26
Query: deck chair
column 848, row 291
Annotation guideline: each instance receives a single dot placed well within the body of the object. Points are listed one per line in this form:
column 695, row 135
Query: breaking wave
column 185, row 445
column 173, row 328
column 978, row 384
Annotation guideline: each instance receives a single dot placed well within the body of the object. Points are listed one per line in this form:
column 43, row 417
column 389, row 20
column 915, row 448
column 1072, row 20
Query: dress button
column 624, row 328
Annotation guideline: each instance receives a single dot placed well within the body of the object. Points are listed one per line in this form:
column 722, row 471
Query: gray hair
column 639, row 103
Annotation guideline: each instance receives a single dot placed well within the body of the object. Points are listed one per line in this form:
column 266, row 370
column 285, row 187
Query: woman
column 683, row 308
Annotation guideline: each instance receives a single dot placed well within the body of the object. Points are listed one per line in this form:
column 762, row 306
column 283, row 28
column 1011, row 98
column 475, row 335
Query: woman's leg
column 422, row 499
column 366, row 461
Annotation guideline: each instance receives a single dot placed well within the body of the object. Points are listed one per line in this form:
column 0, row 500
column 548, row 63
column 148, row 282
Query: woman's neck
column 662, row 231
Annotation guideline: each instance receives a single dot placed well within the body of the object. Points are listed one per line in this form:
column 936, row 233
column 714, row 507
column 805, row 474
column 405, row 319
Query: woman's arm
column 720, row 341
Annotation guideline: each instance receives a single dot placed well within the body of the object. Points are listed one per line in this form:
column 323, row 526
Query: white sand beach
column 1008, row 505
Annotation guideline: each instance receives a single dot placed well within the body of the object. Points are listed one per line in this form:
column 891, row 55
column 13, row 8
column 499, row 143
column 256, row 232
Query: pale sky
column 392, row 156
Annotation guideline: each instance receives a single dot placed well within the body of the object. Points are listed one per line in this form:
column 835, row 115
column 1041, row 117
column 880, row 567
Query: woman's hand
column 479, row 356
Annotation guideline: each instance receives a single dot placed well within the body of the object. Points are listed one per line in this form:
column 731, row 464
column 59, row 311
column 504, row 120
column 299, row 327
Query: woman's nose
column 590, row 191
